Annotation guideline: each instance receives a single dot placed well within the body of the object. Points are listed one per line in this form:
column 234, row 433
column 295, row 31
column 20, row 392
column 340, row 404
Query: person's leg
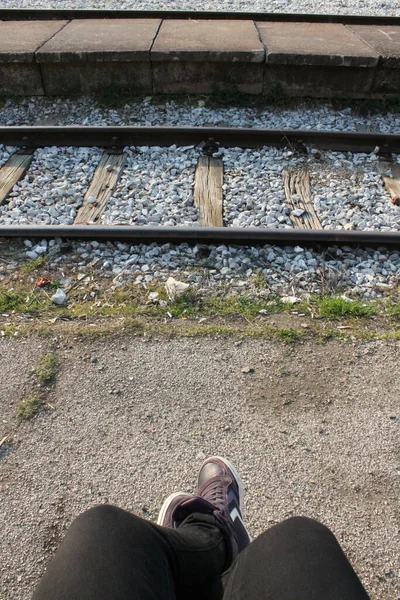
column 110, row 554
column 298, row 559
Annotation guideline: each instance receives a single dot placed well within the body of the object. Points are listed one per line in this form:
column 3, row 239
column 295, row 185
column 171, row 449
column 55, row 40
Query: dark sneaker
column 220, row 484
column 180, row 505
column 168, row 512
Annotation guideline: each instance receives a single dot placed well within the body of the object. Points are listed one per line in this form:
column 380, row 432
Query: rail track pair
column 114, row 139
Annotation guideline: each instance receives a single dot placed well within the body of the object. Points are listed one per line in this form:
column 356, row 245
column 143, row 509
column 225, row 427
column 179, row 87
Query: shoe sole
column 166, row 504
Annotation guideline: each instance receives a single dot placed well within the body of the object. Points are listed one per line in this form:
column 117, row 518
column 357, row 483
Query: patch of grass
column 18, row 301
column 132, row 301
column 330, row 334
column 33, row 265
column 11, row 301
column 207, row 330
column 288, row 335
column 393, row 309
column 237, row 305
column 53, row 285
column 10, row 331
column 195, row 331
column 187, row 305
column 393, row 336
column 28, row 408
column 46, row 367
column 130, row 326
column 260, row 281
column 337, row 307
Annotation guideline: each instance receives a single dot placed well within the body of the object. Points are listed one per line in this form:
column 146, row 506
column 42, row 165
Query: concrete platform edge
column 209, row 57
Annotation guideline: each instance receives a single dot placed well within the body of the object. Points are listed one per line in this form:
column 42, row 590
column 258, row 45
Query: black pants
column 110, row 554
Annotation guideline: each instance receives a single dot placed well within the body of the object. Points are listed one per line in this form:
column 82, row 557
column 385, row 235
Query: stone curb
column 199, row 56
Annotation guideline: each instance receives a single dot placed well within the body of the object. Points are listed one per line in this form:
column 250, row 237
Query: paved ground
column 315, row 430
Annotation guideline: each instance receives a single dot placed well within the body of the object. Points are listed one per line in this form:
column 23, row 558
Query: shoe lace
column 215, row 493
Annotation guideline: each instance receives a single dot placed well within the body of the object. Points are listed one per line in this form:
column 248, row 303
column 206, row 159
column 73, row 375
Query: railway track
column 301, row 222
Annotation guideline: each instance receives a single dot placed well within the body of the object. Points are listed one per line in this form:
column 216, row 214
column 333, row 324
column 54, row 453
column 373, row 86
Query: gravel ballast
column 314, row 431
column 156, row 189
column 348, row 192
column 152, row 111
column 222, row 269
column 53, row 187
column 5, row 153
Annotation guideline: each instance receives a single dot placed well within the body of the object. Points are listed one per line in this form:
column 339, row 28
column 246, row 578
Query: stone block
column 203, row 57
column 207, row 78
column 321, row 60
column 318, row 81
column 97, row 40
column 209, row 41
column 19, row 40
column 94, row 77
column 315, row 44
column 385, row 40
column 94, row 55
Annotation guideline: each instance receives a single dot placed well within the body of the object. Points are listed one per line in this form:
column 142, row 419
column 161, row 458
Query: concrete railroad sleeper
column 208, row 179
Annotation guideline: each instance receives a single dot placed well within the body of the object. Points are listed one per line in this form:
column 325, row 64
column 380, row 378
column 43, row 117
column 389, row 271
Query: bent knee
column 100, row 514
column 304, row 526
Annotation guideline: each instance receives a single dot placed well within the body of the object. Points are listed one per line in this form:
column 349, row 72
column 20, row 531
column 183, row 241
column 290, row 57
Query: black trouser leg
column 299, row 559
column 110, row 554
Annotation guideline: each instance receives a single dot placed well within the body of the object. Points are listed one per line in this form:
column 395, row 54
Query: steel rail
column 119, row 137
column 22, row 14
column 244, row 236
column 29, row 138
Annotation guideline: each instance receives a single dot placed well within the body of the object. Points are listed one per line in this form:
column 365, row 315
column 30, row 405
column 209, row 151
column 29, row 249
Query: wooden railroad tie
column 12, row 171
column 393, row 187
column 208, row 191
column 101, row 188
column 298, row 197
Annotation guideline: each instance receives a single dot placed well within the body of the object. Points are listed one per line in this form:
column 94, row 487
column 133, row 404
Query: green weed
column 18, row 301
column 288, row 335
column 260, row 281
column 393, row 309
column 28, row 408
column 335, row 308
column 46, row 367
column 34, row 265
